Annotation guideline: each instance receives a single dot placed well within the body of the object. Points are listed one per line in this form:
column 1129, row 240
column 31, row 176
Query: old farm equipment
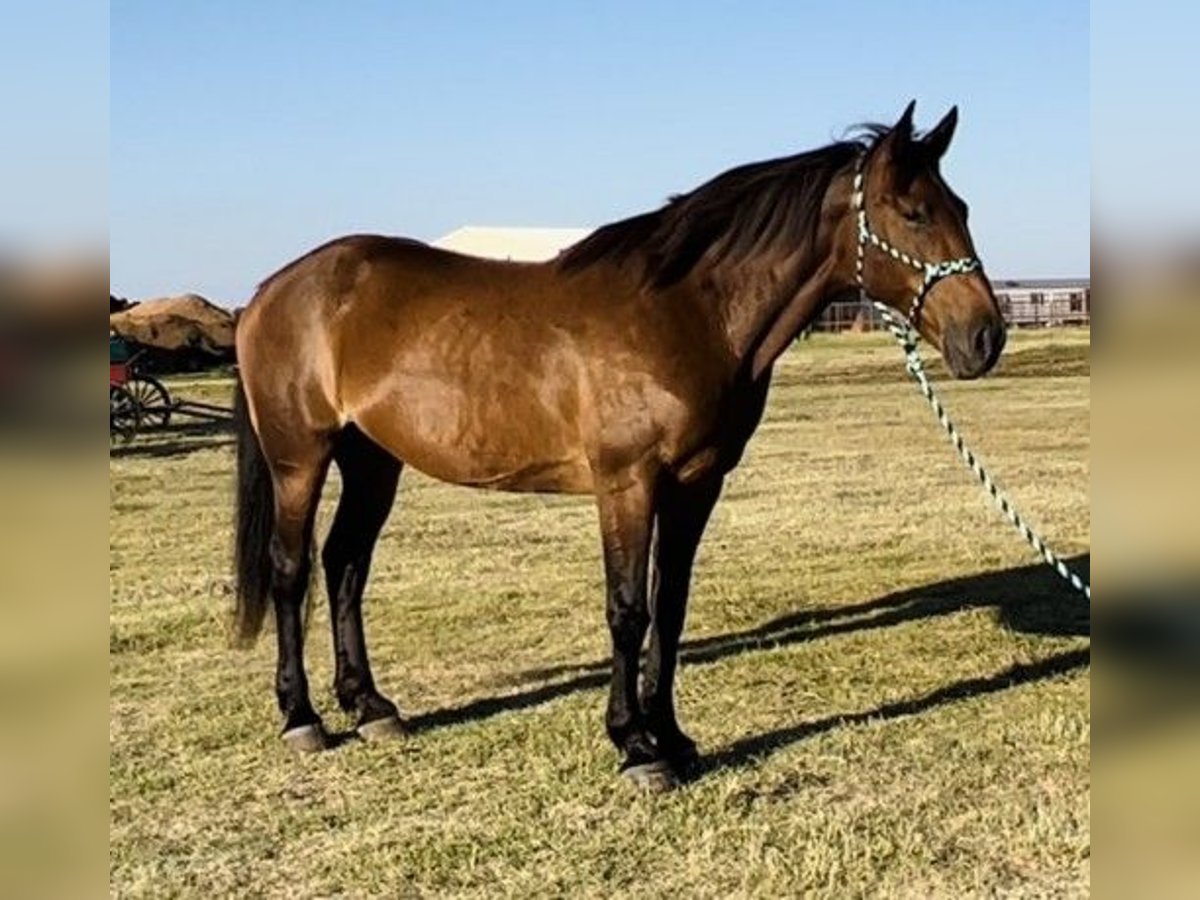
column 137, row 400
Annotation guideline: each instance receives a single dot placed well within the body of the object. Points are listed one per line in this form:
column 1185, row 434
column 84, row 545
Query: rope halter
column 933, row 272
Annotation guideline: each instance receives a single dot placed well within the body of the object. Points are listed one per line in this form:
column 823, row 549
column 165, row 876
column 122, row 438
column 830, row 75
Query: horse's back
column 451, row 362
column 512, row 375
column 353, row 290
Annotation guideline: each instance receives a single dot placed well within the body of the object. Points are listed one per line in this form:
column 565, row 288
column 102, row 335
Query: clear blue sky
column 242, row 134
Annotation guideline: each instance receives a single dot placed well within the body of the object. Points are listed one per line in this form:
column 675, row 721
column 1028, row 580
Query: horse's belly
column 567, row 476
column 503, row 440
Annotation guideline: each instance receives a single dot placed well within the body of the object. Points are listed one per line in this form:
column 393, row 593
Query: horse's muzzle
column 972, row 350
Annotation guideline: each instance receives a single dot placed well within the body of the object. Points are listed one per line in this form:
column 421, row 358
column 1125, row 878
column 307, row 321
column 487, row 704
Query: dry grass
column 891, row 703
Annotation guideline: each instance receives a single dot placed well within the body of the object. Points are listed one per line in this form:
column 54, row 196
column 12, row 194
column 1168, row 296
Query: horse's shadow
column 753, row 748
column 1028, row 599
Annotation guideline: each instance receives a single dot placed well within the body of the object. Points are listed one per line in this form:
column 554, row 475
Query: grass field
column 892, row 698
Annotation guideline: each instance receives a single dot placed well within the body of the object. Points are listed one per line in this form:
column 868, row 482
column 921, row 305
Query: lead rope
column 906, row 336
column 907, row 339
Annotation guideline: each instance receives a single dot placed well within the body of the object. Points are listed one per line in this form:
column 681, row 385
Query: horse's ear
column 938, row 139
column 904, row 126
column 898, row 142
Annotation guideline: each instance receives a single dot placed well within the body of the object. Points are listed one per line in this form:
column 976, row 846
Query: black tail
column 255, row 523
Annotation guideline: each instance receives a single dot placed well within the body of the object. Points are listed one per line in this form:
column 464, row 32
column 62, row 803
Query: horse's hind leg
column 369, row 478
column 297, row 482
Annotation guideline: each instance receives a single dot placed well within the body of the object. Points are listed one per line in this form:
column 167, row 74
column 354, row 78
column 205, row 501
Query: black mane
column 746, row 210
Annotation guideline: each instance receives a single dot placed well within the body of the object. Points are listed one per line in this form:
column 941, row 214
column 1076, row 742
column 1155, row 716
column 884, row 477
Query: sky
column 244, row 134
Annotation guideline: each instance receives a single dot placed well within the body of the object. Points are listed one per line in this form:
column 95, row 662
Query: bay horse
column 633, row 367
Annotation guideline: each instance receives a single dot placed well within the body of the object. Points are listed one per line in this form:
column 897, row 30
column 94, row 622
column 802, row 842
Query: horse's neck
column 765, row 305
column 764, row 311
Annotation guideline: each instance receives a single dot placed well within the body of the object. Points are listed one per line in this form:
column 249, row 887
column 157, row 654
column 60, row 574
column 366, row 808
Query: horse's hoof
column 307, row 738
column 685, row 759
column 389, row 728
column 656, row 777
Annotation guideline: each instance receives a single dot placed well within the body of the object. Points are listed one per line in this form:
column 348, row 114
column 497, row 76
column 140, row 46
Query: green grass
column 873, row 726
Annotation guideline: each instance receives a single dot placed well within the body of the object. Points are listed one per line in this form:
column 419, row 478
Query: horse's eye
column 915, row 216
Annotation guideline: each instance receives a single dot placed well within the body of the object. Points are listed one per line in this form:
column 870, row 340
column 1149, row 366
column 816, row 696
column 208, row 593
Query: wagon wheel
column 124, row 415
column 152, row 398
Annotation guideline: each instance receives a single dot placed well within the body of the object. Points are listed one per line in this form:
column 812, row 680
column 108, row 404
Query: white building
column 516, row 244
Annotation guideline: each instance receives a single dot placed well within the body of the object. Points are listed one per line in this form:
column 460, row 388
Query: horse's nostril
column 987, row 342
column 983, row 342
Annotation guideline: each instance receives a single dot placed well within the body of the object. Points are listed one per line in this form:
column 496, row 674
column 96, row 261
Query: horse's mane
column 751, row 209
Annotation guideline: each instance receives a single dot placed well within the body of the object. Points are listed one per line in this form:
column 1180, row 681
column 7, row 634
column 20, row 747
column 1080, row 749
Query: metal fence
column 1021, row 309
column 1046, row 308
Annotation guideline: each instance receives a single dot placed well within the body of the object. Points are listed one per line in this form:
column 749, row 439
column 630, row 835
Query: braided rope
column 906, row 336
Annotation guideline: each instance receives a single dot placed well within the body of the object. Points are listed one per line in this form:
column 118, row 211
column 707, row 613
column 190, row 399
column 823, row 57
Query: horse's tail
column 255, row 524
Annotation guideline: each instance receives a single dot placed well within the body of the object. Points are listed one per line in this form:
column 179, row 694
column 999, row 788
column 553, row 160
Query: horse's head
column 913, row 250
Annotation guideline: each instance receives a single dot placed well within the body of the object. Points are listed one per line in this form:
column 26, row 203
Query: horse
column 633, row 367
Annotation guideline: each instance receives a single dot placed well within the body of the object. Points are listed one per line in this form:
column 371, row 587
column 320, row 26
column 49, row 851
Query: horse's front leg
column 682, row 512
column 626, row 505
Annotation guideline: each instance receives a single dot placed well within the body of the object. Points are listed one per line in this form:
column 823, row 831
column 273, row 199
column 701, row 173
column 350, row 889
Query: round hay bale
column 187, row 322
